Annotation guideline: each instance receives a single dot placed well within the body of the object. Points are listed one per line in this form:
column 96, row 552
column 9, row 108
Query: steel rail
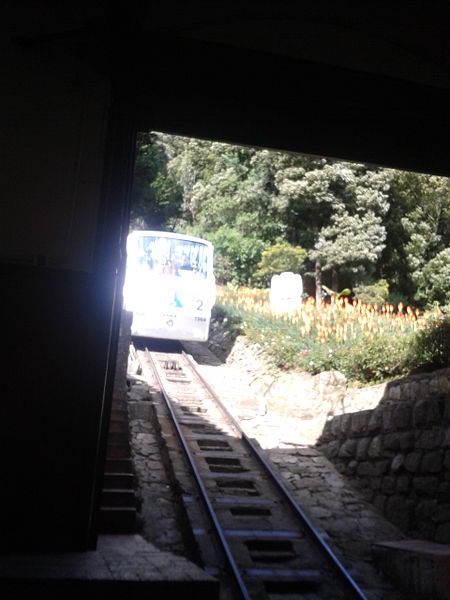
column 228, row 554
column 341, row 570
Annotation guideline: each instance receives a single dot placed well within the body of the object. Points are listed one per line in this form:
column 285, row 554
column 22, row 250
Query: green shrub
column 226, row 320
column 375, row 359
column 278, row 258
column 435, row 284
column 374, row 293
column 235, row 255
column 432, row 344
column 395, row 298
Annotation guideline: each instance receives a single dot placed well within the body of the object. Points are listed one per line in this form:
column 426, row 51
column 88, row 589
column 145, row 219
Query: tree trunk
column 318, row 278
column 334, row 280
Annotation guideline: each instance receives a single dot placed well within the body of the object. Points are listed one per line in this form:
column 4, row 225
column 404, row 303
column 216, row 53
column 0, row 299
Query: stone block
column 348, row 449
column 362, row 447
column 319, row 512
column 444, row 388
column 388, row 485
column 407, row 440
column 326, row 432
column 332, row 449
column 351, row 467
column 345, row 422
column 435, row 410
column 441, row 514
column 447, row 405
column 375, row 483
column 375, row 420
column 379, row 502
column 443, row 491
column 431, row 462
column 364, row 469
column 335, row 481
column 402, row 416
column 442, row 535
column 367, row 494
column 424, row 509
column 405, row 391
column 434, row 386
column 424, row 388
column 399, row 510
column 403, row 484
column 336, row 426
column 397, row 462
column 447, row 459
column 376, row 447
column 380, row 467
column 425, row 485
column 412, row 461
column 446, row 435
column 387, row 418
column 391, row 441
column 394, row 392
column 414, row 390
column 359, row 422
column 140, row 410
column 426, row 530
column 430, row 438
column 420, row 412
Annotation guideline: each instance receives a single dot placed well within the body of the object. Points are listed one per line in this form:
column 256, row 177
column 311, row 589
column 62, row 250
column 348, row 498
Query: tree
column 435, row 283
column 418, row 227
column 427, row 227
column 156, row 197
column 235, row 255
column 342, row 206
column 226, row 198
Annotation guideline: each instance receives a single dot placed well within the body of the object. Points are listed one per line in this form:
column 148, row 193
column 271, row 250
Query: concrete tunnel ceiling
column 391, row 41
column 367, row 82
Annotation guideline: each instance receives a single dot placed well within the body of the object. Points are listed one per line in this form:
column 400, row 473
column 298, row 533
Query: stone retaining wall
column 399, row 453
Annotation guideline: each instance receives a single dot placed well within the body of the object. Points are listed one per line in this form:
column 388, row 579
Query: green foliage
column 229, row 324
column 375, row 359
column 343, row 205
column 395, row 298
column 432, row 345
column 418, row 229
column 278, row 258
column 375, row 293
column 156, row 197
column 235, row 255
column 435, row 283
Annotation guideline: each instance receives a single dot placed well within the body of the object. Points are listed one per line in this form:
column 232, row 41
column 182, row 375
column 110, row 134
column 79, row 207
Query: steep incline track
column 271, row 549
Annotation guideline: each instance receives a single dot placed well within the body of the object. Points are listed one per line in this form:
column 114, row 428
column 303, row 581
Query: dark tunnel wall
column 70, row 104
column 57, row 297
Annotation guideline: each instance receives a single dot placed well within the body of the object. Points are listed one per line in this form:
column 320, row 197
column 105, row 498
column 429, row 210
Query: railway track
column 265, row 546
